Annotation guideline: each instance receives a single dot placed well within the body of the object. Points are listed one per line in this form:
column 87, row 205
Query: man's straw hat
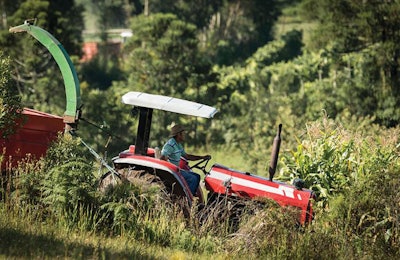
column 176, row 129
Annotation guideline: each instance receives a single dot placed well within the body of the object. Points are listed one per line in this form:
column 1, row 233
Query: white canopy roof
column 170, row 104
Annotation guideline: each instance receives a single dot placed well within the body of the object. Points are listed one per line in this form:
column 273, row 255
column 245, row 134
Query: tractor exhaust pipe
column 275, row 153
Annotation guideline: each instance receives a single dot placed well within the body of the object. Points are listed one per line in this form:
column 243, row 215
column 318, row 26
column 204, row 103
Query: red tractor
column 220, row 181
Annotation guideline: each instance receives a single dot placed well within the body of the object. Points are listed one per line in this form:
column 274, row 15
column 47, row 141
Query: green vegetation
column 10, row 102
column 327, row 70
column 355, row 176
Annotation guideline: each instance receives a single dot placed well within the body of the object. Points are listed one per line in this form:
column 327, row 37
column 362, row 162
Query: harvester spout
column 71, row 82
column 275, row 153
column 21, row 28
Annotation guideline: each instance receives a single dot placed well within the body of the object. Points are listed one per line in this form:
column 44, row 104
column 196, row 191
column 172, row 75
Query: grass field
column 25, row 238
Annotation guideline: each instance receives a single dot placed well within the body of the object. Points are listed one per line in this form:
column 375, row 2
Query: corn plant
column 325, row 161
column 333, row 158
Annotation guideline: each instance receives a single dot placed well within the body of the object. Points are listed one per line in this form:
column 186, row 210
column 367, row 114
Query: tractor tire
column 136, row 177
column 108, row 180
column 147, row 179
column 139, row 178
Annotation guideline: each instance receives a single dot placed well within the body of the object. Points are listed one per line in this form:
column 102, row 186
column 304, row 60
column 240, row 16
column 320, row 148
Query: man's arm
column 192, row 157
column 166, row 152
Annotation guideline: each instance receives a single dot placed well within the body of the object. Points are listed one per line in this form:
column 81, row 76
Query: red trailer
column 34, row 133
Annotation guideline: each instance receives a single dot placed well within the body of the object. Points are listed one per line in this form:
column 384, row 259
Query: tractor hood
column 170, row 104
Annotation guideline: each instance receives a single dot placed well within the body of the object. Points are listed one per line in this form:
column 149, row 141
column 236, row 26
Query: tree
column 239, row 28
column 230, row 31
column 162, row 57
column 197, row 12
column 352, row 27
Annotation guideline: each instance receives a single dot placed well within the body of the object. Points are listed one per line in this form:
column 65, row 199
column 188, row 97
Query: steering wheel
column 201, row 165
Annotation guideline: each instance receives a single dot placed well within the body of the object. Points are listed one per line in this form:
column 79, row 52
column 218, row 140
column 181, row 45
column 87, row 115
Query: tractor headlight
column 298, row 183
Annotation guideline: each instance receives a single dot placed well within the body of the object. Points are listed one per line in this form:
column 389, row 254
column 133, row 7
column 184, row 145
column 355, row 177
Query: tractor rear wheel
column 146, row 179
column 140, row 178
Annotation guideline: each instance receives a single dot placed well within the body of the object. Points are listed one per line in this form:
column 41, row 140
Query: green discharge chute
column 71, row 82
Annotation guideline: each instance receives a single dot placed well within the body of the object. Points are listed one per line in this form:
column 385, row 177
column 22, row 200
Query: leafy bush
column 68, row 184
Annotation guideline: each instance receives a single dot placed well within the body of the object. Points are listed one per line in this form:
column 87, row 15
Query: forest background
column 327, row 70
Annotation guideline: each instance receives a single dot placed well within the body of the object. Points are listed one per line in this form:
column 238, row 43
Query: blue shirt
column 173, row 151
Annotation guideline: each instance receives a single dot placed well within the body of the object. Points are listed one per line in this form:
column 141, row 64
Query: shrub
column 68, row 183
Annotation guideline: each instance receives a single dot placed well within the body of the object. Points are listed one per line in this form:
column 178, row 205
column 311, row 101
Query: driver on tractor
column 173, row 150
